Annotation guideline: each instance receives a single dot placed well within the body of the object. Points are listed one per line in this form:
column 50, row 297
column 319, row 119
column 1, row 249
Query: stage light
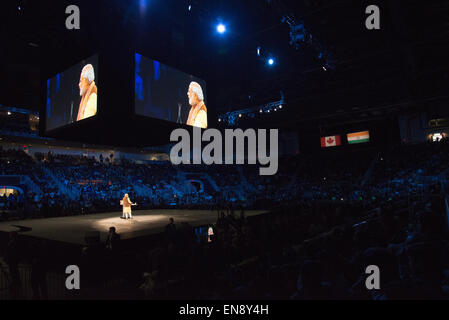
column 324, row 68
column 221, row 28
column 9, row 113
column 219, row 120
column 143, row 4
column 190, row 7
column 275, row 109
column 280, row 107
column 260, row 110
column 271, row 61
column 240, row 115
column 259, row 49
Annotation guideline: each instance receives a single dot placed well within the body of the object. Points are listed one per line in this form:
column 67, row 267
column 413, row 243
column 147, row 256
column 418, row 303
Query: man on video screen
column 198, row 112
column 88, row 93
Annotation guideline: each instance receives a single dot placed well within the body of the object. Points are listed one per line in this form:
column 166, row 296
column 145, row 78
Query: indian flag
column 358, row 137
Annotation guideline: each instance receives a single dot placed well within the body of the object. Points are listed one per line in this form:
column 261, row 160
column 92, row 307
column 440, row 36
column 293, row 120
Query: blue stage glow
column 157, row 70
column 137, row 58
column 271, row 61
column 48, row 107
column 138, row 87
column 142, row 5
column 138, row 79
column 58, row 82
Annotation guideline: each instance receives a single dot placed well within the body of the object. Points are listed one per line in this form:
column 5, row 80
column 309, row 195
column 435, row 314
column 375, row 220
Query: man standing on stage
column 126, row 202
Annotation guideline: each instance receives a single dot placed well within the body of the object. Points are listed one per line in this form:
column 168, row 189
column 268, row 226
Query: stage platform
column 144, row 223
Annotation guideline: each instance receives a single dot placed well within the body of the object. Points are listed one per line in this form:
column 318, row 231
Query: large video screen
column 163, row 92
column 72, row 94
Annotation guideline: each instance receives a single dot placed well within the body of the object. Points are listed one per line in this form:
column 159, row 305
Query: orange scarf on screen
column 85, row 99
column 194, row 112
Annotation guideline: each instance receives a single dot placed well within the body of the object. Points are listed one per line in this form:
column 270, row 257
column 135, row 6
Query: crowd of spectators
column 72, row 184
column 308, row 251
column 327, row 223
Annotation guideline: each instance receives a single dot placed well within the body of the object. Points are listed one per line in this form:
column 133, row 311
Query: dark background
column 379, row 74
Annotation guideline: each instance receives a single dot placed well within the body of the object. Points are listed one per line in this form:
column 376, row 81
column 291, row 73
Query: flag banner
column 331, row 141
column 358, row 137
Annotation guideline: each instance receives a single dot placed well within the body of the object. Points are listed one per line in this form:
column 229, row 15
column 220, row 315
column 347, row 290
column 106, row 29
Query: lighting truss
column 231, row 118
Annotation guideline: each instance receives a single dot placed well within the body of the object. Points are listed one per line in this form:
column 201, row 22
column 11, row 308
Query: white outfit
column 127, row 212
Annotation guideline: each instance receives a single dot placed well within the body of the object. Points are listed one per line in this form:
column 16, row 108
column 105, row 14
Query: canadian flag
column 331, row 141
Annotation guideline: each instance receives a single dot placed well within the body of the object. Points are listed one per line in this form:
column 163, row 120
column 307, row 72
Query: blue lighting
column 221, row 28
column 271, row 61
column 142, row 6
column 157, row 70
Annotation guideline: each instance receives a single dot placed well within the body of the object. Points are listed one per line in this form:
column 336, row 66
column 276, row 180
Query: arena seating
column 78, row 184
column 341, row 210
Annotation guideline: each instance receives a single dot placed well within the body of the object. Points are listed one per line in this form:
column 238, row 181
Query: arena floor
column 145, row 222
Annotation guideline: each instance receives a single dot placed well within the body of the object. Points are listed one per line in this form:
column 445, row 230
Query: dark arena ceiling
column 402, row 65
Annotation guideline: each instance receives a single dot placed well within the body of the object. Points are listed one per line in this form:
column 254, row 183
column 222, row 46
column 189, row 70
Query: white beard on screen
column 191, row 101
